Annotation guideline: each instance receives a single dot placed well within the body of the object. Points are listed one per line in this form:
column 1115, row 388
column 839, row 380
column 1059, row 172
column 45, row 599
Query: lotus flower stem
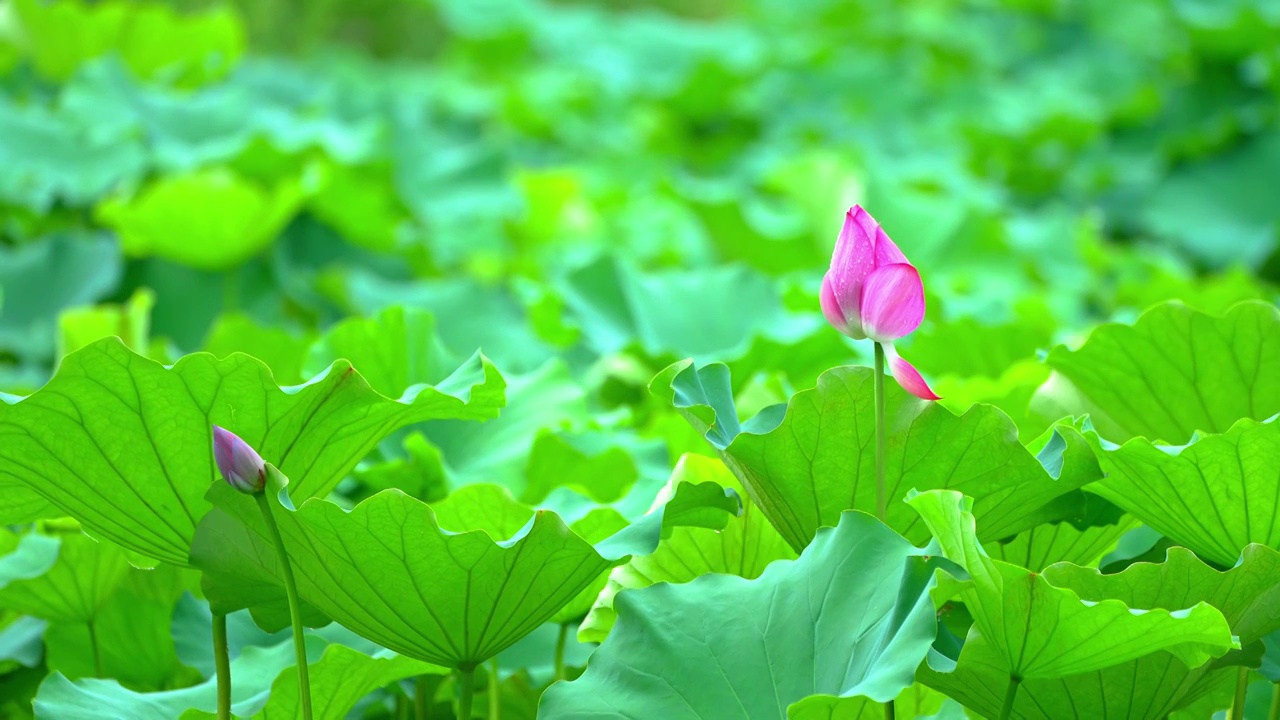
column 1006, row 710
column 881, row 502
column 97, row 651
column 295, row 609
column 1274, row 713
column 466, row 691
column 420, row 690
column 222, row 664
column 495, row 693
column 1242, row 687
column 560, row 643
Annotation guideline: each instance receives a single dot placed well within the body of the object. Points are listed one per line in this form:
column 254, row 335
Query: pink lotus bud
column 240, row 465
column 872, row 291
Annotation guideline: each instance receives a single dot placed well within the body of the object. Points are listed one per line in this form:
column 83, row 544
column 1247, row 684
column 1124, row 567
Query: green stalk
column 1242, row 687
column 1006, row 711
column 881, row 503
column 222, row 662
column 466, row 691
column 295, row 609
column 420, row 698
column 560, row 643
column 1274, row 713
column 495, row 693
column 97, row 652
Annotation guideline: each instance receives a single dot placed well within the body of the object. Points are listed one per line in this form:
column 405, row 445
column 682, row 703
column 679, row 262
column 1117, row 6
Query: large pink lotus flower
column 872, row 291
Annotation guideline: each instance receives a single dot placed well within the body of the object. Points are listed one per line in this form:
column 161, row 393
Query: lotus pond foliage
column 446, row 359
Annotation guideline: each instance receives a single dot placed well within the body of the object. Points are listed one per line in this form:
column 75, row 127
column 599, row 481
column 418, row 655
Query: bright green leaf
column 1153, row 685
column 389, row 572
column 171, row 218
column 852, row 616
column 1174, row 372
column 744, row 548
column 124, row 445
column 1028, row 629
column 803, row 469
column 1215, row 495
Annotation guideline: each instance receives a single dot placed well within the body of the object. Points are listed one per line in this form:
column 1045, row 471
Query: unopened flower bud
column 241, row 466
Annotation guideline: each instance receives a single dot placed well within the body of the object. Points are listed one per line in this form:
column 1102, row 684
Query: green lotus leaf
column 1174, row 372
column 1215, row 495
column 1034, row 630
column 44, row 278
column 388, row 571
column 1044, row 545
column 744, row 548
column 130, row 321
column 50, row 157
column 393, row 351
column 1154, row 685
column 609, row 300
column 339, row 679
column 278, row 349
column 93, row 698
column 166, row 218
column 499, row 451
column 803, row 468
column 72, row 589
column 151, row 37
column 129, row 637
column 123, row 444
column 917, row 701
column 851, row 617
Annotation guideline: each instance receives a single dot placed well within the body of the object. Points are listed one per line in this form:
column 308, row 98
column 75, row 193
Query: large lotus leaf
column 1046, row 544
column 361, row 203
column 278, row 349
column 744, row 548
column 169, row 218
column 1174, row 372
column 44, row 278
column 1219, row 209
column 917, row 701
column 339, row 679
column 151, row 37
column 968, row 347
column 46, row 157
column 1026, row 628
column 92, row 698
column 806, row 467
column 75, row 587
column 1154, row 685
column 506, row 335
column 613, row 303
column 123, row 444
column 129, row 637
column 851, row 617
column 1215, row 495
column 26, row 556
column 499, row 451
column 394, row 350
column 388, row 571
column 130, row 321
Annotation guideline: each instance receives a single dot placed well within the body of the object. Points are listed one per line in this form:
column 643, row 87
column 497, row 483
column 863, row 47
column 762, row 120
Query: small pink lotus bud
column 872, row 291
column 240, row 465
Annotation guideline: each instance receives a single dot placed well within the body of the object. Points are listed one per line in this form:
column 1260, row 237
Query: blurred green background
column 589, row 191
column 617, row 184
